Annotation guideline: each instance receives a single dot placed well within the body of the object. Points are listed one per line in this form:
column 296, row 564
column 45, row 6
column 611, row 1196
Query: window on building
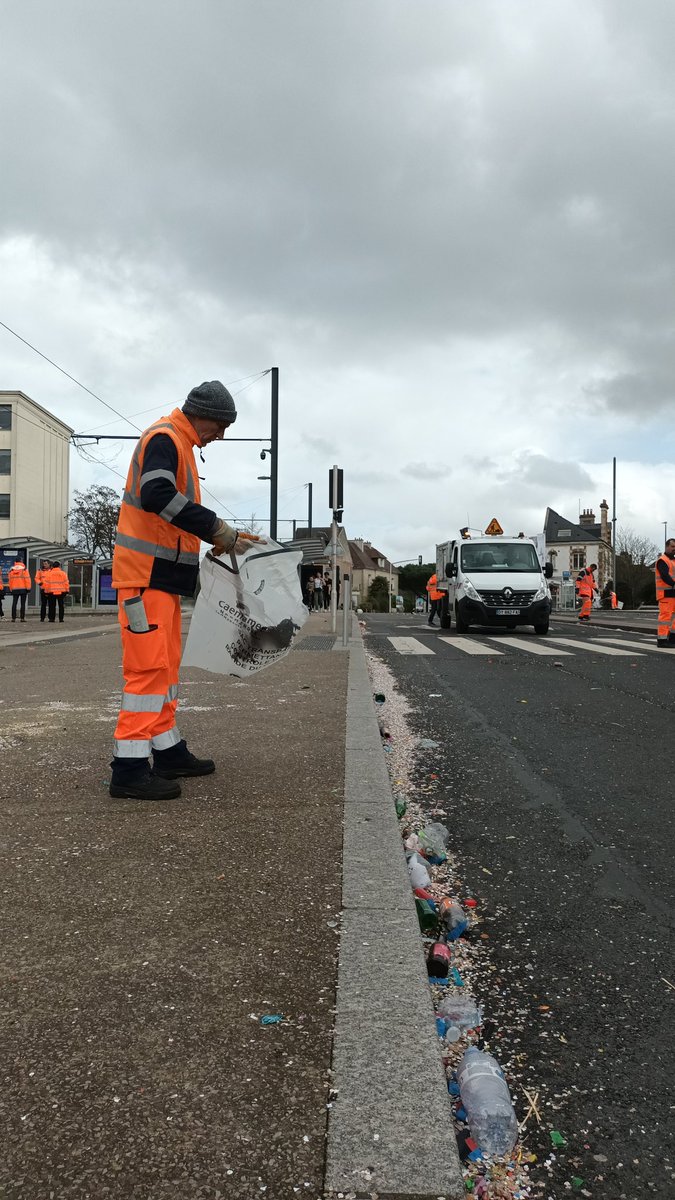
column 578, row 559
column 5, row 462
column 4, row 506
column 5, row 416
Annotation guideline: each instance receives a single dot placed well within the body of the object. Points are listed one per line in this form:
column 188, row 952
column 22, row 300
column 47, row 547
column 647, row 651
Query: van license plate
column 508, row 612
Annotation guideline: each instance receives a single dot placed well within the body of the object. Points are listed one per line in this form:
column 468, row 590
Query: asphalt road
column 555, row 772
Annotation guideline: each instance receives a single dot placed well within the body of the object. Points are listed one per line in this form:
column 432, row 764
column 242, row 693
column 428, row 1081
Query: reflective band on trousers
column 167, row 552
column 132, row 702
column 163, row 741
column 172, row 693
column 132, row 749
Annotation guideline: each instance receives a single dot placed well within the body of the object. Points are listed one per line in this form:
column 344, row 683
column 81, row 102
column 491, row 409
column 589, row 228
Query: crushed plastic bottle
column 453, row 918
column 485, row 1096
column 426, row 915
column 461, row 1010
column 432, row 841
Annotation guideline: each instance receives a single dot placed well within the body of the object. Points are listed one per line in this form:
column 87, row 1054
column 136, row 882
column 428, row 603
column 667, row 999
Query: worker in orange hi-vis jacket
column 435, row 597
column 57, row 585
column 586, row 589
column 664, row 569
column 19, row 585
column 156, row 561
column 40, row 576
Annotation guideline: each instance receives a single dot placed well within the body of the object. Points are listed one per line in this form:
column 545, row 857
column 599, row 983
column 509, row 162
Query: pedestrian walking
column 57, row 586
column 40, row 576
column 664, row 570
column 435, row 598
column 155, row 562
column 586, row 588
column 309, row 592
column 19, row 585
column 327, row 588
column 2, row 592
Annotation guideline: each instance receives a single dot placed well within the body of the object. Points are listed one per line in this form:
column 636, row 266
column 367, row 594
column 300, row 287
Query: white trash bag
column 248, row 610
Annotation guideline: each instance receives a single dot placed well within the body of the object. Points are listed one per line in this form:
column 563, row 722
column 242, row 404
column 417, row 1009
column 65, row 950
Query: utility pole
column 274, row 456
column 309, row 509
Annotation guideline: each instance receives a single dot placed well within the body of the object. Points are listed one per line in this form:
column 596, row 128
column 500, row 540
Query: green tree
column 378, row 594
column 92, row 521
column 412, row 582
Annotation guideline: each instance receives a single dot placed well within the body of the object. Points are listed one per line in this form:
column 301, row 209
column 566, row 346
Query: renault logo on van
column 507, row 593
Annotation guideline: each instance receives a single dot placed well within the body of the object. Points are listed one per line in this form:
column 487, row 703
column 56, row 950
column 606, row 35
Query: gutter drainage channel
column 390, row 1128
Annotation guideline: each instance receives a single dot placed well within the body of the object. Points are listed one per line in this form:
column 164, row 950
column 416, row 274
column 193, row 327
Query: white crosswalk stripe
column 469, row 645
column 530, row 646
column 596, row 648
column 409, row 645
column 639, row 645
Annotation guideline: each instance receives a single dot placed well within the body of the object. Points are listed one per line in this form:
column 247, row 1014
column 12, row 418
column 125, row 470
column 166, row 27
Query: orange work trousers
column 150, row 663
column 586, row 606
column 666, row 623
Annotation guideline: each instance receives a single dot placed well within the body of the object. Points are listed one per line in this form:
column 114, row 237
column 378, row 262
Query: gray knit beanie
column 211, row 400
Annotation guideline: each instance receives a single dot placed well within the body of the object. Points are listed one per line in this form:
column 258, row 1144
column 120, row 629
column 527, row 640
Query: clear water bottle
column 485, row 1096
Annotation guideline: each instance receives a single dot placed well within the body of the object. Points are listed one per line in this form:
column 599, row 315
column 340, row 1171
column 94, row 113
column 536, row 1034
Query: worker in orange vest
column 57, row 586
column 586, row 588
column 435, row 598
column 664, row 569
column 156, row 561
column 19, row 585
column 40, row 576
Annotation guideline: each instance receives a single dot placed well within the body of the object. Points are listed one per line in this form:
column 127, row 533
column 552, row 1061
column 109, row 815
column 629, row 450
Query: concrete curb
column 39, row 637
column 627, row 626
column 390, row 1130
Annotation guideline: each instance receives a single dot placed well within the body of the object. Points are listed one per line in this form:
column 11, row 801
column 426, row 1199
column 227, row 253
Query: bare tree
column 252, row 526
column 92, row 520
column 635, row 555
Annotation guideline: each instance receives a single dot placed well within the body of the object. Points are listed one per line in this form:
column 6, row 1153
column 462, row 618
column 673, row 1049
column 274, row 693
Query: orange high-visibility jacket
column 144, row 537
column 586, row 583
column 432, row 589
column 40, row 577
column 19, row 578
column 55, row 582
column 662, row 584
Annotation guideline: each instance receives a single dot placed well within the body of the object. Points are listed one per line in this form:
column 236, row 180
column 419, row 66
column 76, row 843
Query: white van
column 494, row 581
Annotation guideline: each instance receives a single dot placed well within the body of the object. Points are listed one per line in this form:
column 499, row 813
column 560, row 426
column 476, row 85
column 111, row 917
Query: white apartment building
column 34, row 470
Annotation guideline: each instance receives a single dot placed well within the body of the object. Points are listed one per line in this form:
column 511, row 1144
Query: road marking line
column 409, row 646
column 469, row 646
column 639, row 645
column 530, row 647
column 595, row 648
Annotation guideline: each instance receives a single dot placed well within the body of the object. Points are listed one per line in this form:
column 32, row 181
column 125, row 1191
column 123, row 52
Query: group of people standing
column 318, row 590
column 52, row 582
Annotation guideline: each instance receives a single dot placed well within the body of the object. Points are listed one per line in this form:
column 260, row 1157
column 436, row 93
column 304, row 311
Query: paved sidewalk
column 145, row 941
column 632, row 620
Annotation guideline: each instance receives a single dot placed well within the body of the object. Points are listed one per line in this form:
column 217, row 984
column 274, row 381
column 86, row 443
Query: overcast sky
column 449, row 223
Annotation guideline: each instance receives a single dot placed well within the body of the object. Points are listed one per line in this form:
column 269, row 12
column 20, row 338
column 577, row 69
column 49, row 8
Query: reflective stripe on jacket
column 149, row 550
column 433, row 591
column 55, row 582
column 662, row 584
column 19, row 578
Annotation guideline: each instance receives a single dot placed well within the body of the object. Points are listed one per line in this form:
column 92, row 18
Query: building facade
column 34, row 470
column 367, row 563
column 573, row 545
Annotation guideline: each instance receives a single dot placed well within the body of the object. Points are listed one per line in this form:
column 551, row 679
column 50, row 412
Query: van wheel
column 541, row 626
column 446, row 617
column 460, row 624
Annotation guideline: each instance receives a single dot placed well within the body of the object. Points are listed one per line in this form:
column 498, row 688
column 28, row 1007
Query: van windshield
column 510, row 556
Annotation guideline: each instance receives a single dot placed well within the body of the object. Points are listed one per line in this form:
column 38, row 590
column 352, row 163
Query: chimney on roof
column 359, row 542
column 605, row 533
column 587, row 517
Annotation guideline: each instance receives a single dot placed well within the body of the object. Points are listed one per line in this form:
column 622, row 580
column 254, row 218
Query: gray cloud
column 425, row 471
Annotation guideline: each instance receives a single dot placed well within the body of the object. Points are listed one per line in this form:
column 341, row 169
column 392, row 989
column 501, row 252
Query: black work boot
column 177, row 761
column 132, row 780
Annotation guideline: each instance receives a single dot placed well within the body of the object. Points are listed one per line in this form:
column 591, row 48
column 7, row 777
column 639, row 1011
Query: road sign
column 83, row 562
column 494, row 528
